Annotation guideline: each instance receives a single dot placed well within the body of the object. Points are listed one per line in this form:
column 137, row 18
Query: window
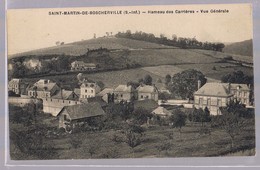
column 200, row 100
column 62, row 101
column 121, row 95
column 86, row 91
column 51, row 100
column 245, row 94
column 76, row 103
column 219, row 102
column 91, row 91
column 142, row 96
column 208, row 101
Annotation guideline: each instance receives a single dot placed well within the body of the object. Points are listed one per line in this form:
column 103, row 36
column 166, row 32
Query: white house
column 89, row 90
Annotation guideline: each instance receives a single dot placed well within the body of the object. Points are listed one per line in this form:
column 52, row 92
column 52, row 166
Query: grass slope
column 241, row 48
column 81, row 47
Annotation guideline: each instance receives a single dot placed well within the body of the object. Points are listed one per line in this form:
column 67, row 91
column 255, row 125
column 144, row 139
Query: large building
column 124, row 93
column 147, row 92
column 43, row 89
column 70, row 116
column 63, row 98
column 216, row 95
column 80, row 65
column 89, row 90
column 18, row 86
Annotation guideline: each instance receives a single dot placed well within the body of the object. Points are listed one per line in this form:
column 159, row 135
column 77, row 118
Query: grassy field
column 189, row 144
column 156, row 141
column 81, row 47
column 207, row 69
column 110, row 78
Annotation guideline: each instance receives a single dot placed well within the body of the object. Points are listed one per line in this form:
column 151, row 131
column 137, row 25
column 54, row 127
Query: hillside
column 244, row 48
column 81, row 47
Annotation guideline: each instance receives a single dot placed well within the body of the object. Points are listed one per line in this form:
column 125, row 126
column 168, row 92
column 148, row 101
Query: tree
column 238, row 77
column 132, row 140
column 231, row 120
column 184, row 84
column 148, row 80
column 141, row 115
column 178, row 120
column 168, row 79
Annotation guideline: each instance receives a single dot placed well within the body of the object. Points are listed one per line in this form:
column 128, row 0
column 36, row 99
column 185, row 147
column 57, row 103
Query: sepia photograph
column 131, row 82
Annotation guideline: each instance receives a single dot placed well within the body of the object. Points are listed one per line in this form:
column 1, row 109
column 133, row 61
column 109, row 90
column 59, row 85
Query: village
column 74, row 106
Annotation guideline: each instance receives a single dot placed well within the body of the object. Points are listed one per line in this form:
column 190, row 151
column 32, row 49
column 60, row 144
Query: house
column 70, row 116
column 147, row 92
column 80, row 65
column 18, row 86
column 216, row 95
column 43, row 89
column 241, row 93
column 162, row 88
column 63, row 98
column 124, row 93
column 107, row 95
column 89, row 90
column 161, row 111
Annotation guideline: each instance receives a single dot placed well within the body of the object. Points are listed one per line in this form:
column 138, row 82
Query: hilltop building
column 80, row 65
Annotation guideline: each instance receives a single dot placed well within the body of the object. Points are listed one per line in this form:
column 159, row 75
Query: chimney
column 199, row 84
column 229, row 87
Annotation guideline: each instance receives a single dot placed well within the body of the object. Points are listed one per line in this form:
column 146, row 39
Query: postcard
column 131, row 82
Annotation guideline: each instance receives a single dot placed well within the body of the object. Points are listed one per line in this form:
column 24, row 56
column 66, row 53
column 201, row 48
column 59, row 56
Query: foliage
column 238, row 77
column 133, row 84
column 141, row 115
column 178, row 119
column 148, row 80
column 185, row 83
column 231, row 120
column 200, row 115
column 168, row 79
column 181, row 42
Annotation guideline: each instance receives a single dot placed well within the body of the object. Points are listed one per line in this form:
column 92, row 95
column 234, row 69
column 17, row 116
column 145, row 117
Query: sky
column 30, row 29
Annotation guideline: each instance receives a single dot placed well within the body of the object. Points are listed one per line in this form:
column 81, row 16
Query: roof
column 84, row 110
column 77, row 91
column 43, row 86
column 124, row 88
column 14, row 81
column 148, row 104
column 105, row 91
column 240, row 86
column 63, row 94
column 97, row 99
column 84, row 64
column 214, row 89
column 162, row 111
column 147, row 89
column 89, row 84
